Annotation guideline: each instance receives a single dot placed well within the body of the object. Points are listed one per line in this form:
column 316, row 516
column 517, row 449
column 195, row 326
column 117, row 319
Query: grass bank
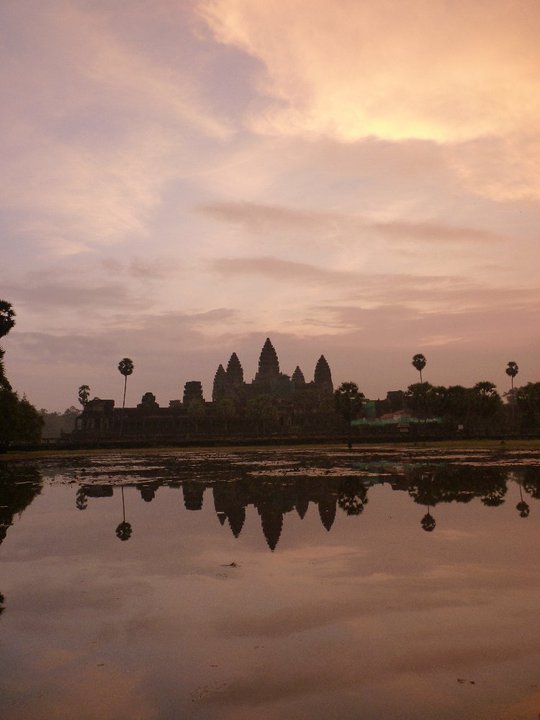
column 496, row 446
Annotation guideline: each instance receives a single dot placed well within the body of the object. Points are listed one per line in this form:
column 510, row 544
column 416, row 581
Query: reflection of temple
column 273, row 498
column 273, row 404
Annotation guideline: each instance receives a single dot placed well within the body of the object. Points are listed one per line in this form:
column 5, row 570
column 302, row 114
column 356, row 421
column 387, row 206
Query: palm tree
column 7, row 317
column 126, row 368
column 7, row 321
column 84, row 394
column 348, row 401
column 512, row 370
column 419, row 362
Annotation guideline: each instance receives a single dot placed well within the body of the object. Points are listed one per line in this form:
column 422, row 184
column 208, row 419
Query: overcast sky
column 181, row 179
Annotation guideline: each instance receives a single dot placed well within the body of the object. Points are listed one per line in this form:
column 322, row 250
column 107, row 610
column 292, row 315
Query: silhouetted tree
column 485, row 403
column 7, row 317
column 423, row 399
column 512, row 370
column 348, row 402
column 84, row 394
column 125, row 366
column 7, row 321
column 528, row 402
column 419, row 362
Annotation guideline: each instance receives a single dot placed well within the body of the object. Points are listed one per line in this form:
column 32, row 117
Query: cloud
column 280, row 270
column 420, row 70
column 95, row 128
column 258, row 217
column 449, row 74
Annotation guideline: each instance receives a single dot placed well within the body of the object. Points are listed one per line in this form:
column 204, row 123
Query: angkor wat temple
column 273, row 404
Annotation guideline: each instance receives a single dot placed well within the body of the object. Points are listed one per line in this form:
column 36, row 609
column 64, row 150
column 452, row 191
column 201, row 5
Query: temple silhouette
column 273, row 404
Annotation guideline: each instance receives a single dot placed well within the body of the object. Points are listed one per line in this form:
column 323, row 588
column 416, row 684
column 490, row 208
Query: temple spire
column 323, row 376
column 298, row 377
column 235, row 373
column 220, row 382
column 268, row 362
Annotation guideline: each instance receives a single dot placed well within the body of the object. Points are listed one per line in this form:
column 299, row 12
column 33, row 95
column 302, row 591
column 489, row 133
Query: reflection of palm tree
column 2, row 608
column 124, row 530
column 81, row 502
column 522, row 507
column 428, row 522
column 352, row 497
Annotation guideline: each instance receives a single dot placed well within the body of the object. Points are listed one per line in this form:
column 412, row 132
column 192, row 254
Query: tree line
column 19, row 419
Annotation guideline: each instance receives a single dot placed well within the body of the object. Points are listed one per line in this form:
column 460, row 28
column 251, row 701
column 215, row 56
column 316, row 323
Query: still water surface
column 273, row 584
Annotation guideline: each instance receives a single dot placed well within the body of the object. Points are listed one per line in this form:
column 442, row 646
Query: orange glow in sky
column 183, row 179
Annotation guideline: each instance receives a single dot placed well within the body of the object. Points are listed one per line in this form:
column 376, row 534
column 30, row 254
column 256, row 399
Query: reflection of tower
column 301, row 503
column 148, row 492
column 271, row 522
column 327, row 510
column 193, row 495
column 301, row 506
column 220, row 502
column 229, row 502
column 237, row 516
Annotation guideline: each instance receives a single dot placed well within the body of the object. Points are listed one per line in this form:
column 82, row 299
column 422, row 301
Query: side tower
column 268, row 372
column 220, row 383
column 323, row 376
column 235, row 373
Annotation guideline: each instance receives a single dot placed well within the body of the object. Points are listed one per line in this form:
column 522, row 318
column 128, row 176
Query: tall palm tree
column 7, row 317
column 126, row 368
column 419, row 362
column 348, row 401
column 84, row 394
column 7, row 321
column 512, row 370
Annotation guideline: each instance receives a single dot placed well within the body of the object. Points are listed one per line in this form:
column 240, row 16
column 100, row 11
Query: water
column 277, row 584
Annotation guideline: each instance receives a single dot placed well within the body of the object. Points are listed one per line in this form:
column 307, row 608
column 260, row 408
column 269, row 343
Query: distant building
column 272, row 404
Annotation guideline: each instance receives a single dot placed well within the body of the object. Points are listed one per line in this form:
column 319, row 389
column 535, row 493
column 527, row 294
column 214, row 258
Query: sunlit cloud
column 420, row 70
column 428, row 71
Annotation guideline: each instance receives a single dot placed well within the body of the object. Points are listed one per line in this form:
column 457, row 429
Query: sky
column 183, row 178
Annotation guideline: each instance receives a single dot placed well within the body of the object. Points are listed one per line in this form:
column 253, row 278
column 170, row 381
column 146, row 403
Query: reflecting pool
column 302, row 584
